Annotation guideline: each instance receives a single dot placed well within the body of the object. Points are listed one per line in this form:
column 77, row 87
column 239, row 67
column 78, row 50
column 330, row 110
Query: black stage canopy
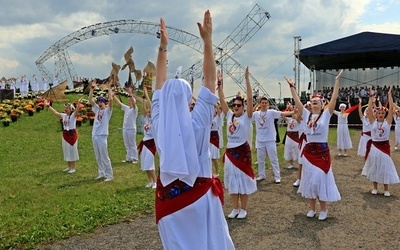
column 363, row 50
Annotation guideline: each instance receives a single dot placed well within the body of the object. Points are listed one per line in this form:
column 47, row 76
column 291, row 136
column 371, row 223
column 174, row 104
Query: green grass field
column 39, row 203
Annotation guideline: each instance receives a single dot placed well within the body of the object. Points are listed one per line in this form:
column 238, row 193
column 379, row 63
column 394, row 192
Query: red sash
column 150, row 145
column 178, row 195
column 241, row 158
column 214, row 138
column 294, row 135
column 366, row 133
column 318, row 154
column 70, row 136
column 303, row 138
column 383, row 146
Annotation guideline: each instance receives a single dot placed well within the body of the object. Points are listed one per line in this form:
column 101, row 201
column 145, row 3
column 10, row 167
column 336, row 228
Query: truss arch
column 247, row 28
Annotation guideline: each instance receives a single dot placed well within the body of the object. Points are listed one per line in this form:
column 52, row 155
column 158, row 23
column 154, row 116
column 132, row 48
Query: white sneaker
column 134, row 161
column 278, row 181
column 311, row 214
column 256, row 162
column 290, row 166
column 242, row 214
column 154, row 185
column 108, row 179
column 296, row 183
column 395, row 148
column 148, row 185
column 99, row 177
column 233, row 214
column 386, row 193
column 345, row 155
column 339, row 154
column 374, row 191
column 260, row 178
column 66, row 170
column 71, row 171
column 323, row 215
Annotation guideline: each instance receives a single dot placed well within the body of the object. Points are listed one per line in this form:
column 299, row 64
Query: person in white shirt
column 265, row 138
column 129, row 127
column 317, row 180
column 103, row 111
column 70, row 135
column 238, row 176
column 215, row 139
column 189, row 211
column 35, row 84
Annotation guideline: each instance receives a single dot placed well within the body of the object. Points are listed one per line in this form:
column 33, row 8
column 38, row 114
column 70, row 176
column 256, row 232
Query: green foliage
column 41, row 203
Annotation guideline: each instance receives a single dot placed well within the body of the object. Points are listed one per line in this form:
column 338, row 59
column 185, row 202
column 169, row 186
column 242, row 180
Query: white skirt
column 379, row 167
column 343, row 137
column 146, row 159
column 70, row 152
column 315, row 183
column 291, row 152
column 236, row 181
column 207, row 228
column 214, row 151
column 362, row 145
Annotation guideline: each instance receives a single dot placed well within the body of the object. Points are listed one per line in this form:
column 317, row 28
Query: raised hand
column 163, row 35
column 205, row 29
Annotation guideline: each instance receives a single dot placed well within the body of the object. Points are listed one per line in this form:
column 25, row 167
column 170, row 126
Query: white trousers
column 101, row 153
column 130, row 144
column 268, row 149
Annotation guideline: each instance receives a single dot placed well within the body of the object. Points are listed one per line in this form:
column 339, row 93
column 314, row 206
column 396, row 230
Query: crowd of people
column 187, row 136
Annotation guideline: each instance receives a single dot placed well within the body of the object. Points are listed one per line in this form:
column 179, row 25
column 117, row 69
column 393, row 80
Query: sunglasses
column 237, row 105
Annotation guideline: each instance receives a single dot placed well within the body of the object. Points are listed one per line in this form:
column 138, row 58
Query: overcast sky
column 28, row 28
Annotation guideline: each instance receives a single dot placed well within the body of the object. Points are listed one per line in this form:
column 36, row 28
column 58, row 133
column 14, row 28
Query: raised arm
column 78, row 107
column 92, row 86
column 360, row 113
column 335, row 93
column 117, row 99
column 370, row 114
column 47, row 103
column 161, row 64
column 389, row 117
column 131, row 97
column 110, row 93
column 209, row 66
column 145, row 101
column 249, row 94
column 295, row 96
column 224, row 105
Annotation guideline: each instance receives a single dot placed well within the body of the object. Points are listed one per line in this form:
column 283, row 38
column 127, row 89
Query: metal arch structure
column 242, row 34
column 249, row 26
column 63, row 65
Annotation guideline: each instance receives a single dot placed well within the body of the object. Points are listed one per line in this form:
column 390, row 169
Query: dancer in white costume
column 129, row 127
column 343, row 134
column 35, row 84
column 317, row 180
column 70, row 135
column 366, row 130
column 379, row 167
column 291, row 150
column 147, row 147
column 238, row 176
column 188, row 199
column 215, row 137
column 396, row 118
column 264, row 120
column 103, row 111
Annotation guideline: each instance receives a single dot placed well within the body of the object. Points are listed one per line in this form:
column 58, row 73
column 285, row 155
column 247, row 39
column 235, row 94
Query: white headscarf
column 175, row 135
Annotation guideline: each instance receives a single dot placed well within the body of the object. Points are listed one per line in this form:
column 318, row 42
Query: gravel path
column 276, row 217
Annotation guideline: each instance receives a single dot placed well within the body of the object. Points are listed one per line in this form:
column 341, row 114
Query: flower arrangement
column 30, row 111
column 6, row 122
